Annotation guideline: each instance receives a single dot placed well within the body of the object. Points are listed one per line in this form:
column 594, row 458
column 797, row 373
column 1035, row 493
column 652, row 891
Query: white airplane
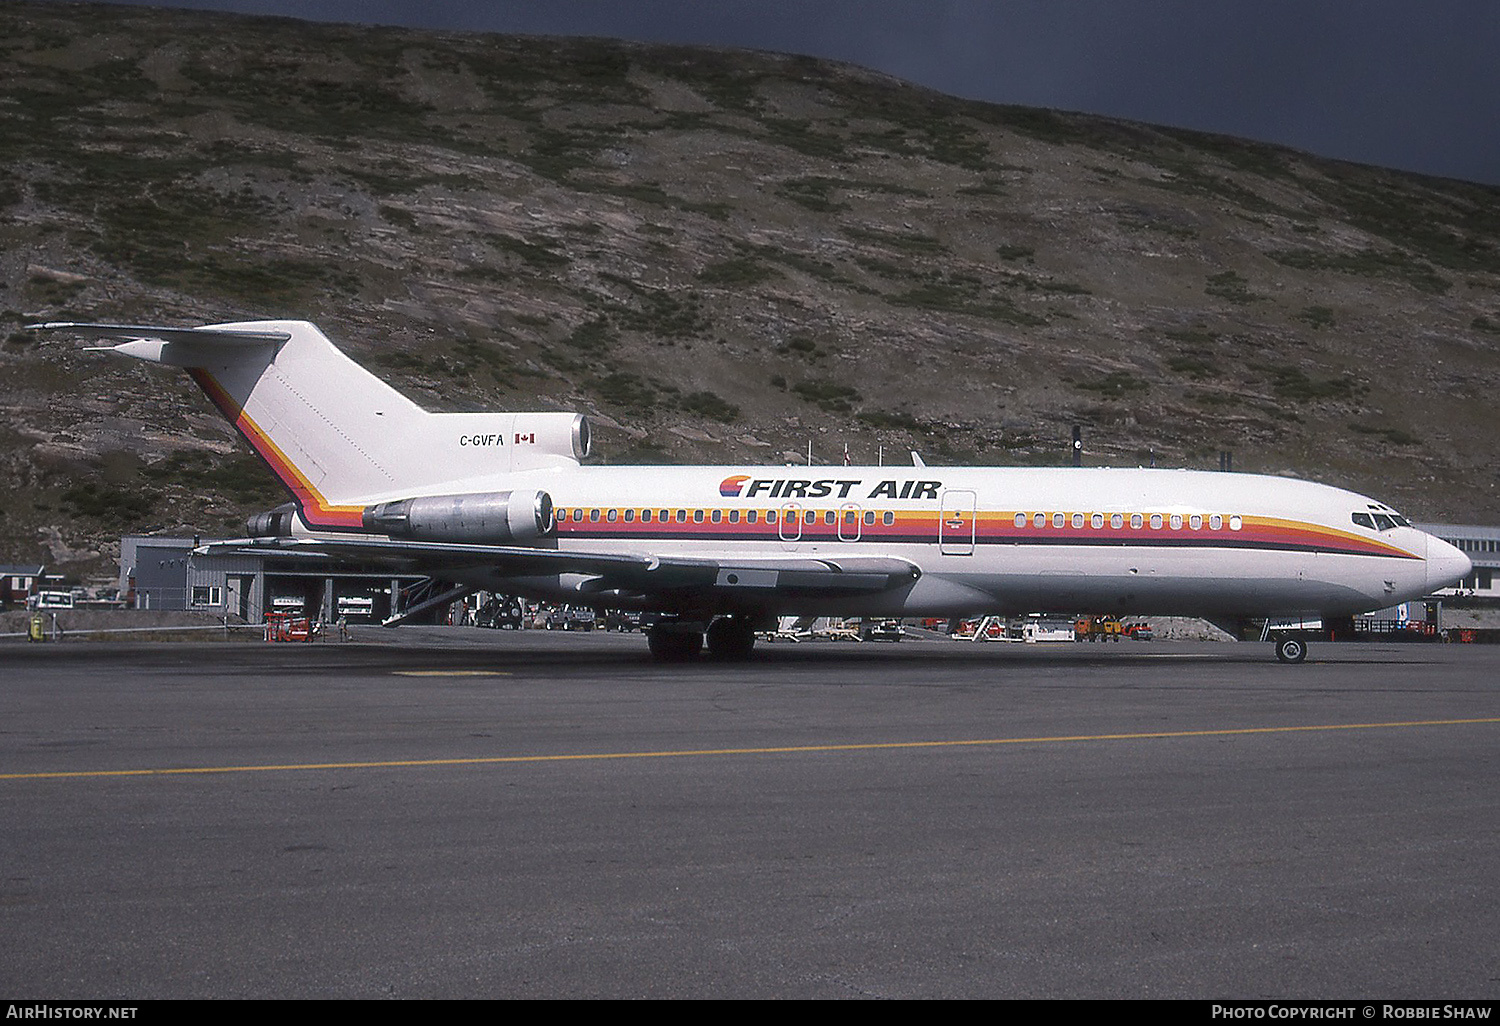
column 499, row 501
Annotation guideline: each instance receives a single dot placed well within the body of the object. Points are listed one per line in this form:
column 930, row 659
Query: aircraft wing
column 633, row 572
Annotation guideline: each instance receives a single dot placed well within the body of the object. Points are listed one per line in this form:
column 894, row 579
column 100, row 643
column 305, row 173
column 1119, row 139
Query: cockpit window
column 1385, row 517
column 1380, row 521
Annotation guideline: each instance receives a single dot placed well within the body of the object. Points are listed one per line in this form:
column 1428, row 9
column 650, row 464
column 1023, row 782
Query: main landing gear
column 675, row 642
column 729, row 638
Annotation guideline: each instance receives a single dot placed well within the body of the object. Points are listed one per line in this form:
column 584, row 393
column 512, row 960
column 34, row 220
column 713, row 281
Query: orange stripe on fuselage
column 989, row 526
column 1301, row 534
column 921, row 527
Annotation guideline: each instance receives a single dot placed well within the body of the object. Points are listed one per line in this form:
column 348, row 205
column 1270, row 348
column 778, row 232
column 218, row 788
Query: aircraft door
column 849, row 522
column 790, row 525
column 956, row 521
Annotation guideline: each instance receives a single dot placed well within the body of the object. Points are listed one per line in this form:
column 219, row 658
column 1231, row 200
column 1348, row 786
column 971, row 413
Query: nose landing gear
column 1291, row 649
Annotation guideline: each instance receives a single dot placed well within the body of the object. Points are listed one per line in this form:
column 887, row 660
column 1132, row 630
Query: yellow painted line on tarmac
column 781, row 750
column 451, row 673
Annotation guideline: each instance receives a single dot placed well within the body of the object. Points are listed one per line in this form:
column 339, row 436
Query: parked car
column 571, row 618
column 621, row 620
column 501, row 613
column 881, row 630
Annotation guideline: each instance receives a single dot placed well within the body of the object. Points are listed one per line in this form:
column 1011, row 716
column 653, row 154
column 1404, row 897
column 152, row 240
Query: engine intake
column 276, row 523
column 561, row 434
column 480, row 518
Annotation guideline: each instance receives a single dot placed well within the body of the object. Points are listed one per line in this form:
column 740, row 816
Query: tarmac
column 456, row 812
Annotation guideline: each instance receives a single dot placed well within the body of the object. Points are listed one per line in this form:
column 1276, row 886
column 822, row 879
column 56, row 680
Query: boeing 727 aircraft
column 500, row 501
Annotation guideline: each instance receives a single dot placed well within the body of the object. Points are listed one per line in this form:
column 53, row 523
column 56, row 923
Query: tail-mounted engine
column 535, row 438
column 277, row 523
column 488, row 518
column 480, row 518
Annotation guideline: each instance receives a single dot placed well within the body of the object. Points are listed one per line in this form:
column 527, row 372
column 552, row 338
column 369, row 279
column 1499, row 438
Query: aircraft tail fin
column 336, row 435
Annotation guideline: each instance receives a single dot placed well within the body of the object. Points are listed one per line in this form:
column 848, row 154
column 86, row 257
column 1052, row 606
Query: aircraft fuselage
column 1011, row 539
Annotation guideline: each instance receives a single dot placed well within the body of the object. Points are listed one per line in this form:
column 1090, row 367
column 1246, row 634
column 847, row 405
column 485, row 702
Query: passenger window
column 682, row 516
column 752, row 515
column 1215, row 522
column 1195, row 522
column 869, row 516
column 734, row 516
column 1116, row 520
column 697, row 516
column 593, row 516
column 630, row 516
column 716, row 516
column 1096, row 521
column 1156, row 521
column 1077, row 520
column 812, row 517
column 611, row 516
column 1038, row 520
column 1136, row 520
column 830, row 517
column 1176, row 521
column 770, row 516
column 1235, row 523
column 889, row 518
column 1020, row 519
column 645, row 516
column 1059, row 519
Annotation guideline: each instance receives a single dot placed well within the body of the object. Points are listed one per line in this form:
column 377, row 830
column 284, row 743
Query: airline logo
column 792, row 488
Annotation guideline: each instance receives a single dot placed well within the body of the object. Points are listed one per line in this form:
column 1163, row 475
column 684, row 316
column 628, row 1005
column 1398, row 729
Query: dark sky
column 1413, row 84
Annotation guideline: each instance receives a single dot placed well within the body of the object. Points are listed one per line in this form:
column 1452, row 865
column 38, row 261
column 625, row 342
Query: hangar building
column 164, row 573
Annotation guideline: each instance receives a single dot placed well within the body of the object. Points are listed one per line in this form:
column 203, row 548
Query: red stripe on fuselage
column 919, row 527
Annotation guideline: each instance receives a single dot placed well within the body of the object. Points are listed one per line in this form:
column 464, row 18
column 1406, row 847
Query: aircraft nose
column 1446, row 565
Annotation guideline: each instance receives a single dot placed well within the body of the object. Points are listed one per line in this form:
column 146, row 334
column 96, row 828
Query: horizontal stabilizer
column 150, row 333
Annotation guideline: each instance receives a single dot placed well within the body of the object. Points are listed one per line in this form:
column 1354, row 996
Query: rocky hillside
column 720, row 255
